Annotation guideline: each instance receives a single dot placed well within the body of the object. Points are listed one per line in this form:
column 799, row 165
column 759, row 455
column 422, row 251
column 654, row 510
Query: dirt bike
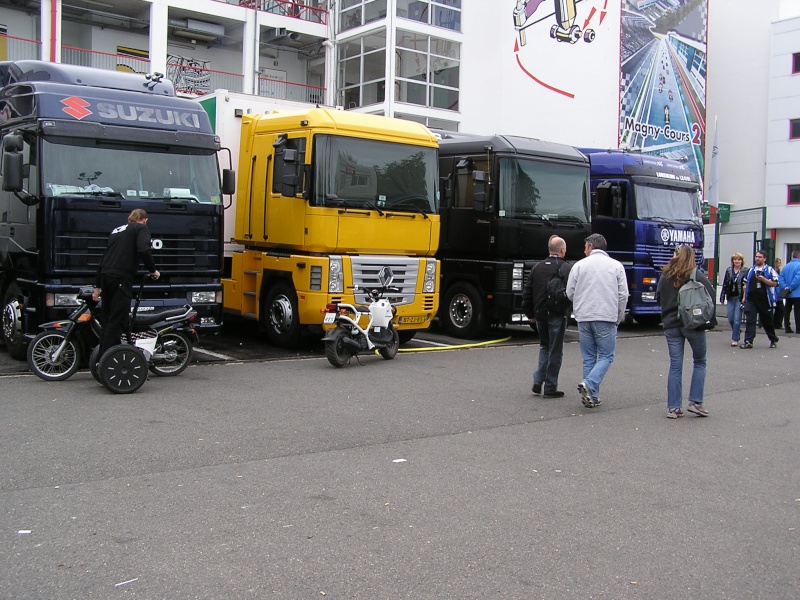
column 161, row 342
column 348, row 338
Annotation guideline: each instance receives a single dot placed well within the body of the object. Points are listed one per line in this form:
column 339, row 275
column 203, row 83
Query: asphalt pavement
column 435, row 475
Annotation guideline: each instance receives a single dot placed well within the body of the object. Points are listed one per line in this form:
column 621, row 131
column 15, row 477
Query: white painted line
column 214, row 354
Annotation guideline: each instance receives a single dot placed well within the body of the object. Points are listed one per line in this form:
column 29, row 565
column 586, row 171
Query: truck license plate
column 419, row 319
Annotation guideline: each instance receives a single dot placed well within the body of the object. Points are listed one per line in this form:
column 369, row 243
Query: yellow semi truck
column 325, row 199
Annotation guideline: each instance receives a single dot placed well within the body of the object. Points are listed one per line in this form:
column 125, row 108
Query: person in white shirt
column 598, row 289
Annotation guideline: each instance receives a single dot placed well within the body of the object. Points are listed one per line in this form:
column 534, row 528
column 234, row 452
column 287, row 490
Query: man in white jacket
column 598, row 290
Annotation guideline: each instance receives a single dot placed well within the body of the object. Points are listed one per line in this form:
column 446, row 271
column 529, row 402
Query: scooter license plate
column 329, row 318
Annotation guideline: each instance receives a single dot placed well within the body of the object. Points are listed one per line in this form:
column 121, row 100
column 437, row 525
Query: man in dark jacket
column 551, row 321
column 116, row 273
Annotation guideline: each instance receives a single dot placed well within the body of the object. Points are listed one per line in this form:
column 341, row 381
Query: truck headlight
column 429, row 283
column 648, row 296
column 335, row 275
column 203, row 297
column 516, row 285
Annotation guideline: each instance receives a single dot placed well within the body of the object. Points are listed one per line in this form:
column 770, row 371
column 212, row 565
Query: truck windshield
column 672, row 204
column 82, row 167
column 531, row 189
column 360, row 173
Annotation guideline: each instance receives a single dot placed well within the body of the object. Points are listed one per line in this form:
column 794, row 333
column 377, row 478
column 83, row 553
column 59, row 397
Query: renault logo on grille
column 76, row 107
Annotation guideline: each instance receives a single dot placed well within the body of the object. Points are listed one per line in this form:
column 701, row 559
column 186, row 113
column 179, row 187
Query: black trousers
column 791, row 304
column 759, row 305
column 115, row 310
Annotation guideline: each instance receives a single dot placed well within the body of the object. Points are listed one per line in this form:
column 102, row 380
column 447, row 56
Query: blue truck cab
column 82, row 148
column 644, row 206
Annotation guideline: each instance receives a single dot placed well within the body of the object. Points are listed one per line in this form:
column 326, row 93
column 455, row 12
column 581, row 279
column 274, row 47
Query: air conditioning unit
column 200, row 31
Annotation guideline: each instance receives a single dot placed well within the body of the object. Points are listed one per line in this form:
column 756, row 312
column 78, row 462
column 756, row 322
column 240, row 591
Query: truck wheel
column 281, row 316
column 12, row 323
column 462, row 311
column 406, row 335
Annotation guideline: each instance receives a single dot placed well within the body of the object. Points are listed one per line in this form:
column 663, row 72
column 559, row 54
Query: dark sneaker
column 697, row 409
column 674, row 413
column 555, row 394
column 586, row 396
column 788, row 330
column 747, row 345
column 773, row 344
column 537, row 388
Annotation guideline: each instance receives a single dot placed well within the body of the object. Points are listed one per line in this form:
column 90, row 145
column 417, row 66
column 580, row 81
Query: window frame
column 793, row 189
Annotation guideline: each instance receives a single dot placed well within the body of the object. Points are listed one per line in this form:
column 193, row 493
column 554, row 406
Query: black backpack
column 556, row 301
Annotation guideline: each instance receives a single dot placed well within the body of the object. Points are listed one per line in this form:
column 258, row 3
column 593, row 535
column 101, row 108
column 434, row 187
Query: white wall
column 500, row 95
column 783, row 155
column 20, row 24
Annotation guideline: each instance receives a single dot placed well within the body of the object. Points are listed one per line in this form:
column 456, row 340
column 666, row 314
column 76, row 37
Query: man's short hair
column 762, row 253
column 137, row 215
column 796, row 254
column 555, row 244
column 597, row 241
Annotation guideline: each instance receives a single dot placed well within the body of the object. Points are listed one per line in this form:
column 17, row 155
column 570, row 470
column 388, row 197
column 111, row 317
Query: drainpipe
column 54, row 6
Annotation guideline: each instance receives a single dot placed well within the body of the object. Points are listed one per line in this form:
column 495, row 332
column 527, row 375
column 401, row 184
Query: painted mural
column 663, row 79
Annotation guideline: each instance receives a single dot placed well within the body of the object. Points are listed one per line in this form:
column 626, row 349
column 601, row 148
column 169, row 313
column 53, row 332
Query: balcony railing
column 104, row 60
column 193, row 77
column 297, row 10
column 284, row 90
column 16, row 48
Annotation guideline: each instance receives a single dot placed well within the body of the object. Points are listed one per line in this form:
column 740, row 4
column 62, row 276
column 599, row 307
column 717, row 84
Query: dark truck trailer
column 504, row 197
column 644, row 205
column 82, row 148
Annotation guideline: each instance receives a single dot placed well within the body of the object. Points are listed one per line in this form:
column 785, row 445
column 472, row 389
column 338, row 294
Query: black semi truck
column 504, row 197
column 81, row 148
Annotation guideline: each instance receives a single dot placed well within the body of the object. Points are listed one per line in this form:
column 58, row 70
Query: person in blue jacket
column 790, row 278
column 759, row 299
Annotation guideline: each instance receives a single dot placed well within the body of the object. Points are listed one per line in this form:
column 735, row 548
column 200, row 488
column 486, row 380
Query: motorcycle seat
column 151, row 318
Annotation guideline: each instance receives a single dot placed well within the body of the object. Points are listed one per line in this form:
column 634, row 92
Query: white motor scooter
column 349, row 338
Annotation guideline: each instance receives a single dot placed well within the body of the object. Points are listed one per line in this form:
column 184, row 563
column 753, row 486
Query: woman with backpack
column 733, row 291
column 680, row 269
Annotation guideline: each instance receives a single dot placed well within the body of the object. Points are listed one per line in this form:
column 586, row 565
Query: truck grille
column 661, row 255
column 405, row 269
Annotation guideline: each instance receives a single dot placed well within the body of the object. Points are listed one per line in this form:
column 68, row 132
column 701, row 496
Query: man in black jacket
column 550, row 314
column 116, row 273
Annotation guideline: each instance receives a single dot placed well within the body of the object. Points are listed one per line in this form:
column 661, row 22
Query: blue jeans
column 598, row 341
column 675, row 343
column 551, row 351
column 735, row 318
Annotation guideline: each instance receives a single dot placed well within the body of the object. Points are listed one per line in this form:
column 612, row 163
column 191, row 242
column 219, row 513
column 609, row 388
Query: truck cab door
column 610, row 217
column 468, row 224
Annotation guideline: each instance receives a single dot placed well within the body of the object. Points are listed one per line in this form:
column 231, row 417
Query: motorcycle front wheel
column 337, row 353
column 390, row 351
column 172, row 355
column 40, row 356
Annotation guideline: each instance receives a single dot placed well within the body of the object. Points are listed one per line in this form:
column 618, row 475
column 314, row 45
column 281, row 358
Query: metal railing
column 103, row 60
column 285, row 90
column 17, row 48
column 295, row 10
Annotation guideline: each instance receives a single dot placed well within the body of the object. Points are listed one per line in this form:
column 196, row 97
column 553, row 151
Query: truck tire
column 280, row 315
column 406, row 335
column 12, row 323
column 462, row 311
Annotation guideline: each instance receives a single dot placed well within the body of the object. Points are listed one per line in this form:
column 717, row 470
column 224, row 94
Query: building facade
column 602, row 73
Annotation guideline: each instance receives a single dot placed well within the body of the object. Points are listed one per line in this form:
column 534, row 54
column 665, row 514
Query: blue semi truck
column 82, row 148
column 644, row 205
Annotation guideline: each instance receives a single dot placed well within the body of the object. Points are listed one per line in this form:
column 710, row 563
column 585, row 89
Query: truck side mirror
column 12, row 163
column 228, row 181
column 479, row 191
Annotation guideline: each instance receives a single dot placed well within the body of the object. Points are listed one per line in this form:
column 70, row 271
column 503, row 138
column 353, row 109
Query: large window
column 427, row 70
column 354, row 13
column 362, row 70
column 358, row 173
column 539, row 190
column 673, row 204
column 429, row 122
column 440, row 13
column 84, row 167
